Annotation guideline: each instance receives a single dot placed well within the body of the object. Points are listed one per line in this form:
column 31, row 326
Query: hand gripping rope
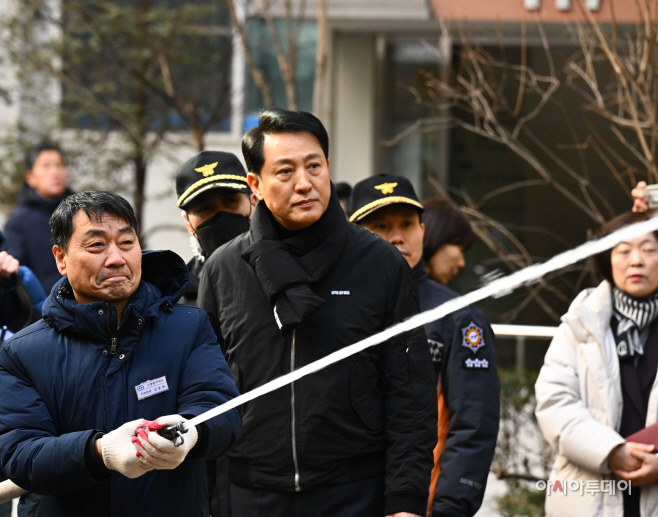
column 172, row 432
column 497, row 288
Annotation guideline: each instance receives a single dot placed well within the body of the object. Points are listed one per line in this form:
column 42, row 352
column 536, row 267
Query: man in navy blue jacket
column 462, row 346
column 27, row 230
column 111, row 350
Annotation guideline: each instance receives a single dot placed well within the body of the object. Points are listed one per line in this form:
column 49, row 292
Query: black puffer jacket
column 194, row 266
column 369, row 414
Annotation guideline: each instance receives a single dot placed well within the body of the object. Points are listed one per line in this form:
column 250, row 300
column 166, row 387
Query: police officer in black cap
column 462, row 346
column 216, row 202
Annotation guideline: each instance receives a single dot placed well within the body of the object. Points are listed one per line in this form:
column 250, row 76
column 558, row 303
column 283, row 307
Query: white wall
column 353, row 101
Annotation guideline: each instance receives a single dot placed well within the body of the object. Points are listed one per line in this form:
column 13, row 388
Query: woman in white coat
column 598, row 385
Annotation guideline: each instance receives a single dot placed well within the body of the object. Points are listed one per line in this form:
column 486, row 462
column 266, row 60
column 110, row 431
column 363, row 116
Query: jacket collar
column 164, row 278
column 420, row 274
column 29, row 197
column 591, row 312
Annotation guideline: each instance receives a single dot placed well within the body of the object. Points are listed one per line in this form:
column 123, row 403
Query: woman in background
column 597, row 385
column 448, row 234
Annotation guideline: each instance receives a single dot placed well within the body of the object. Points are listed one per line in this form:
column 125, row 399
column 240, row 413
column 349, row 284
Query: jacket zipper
column 113, row 348
column 114, row 340
column 292, row 403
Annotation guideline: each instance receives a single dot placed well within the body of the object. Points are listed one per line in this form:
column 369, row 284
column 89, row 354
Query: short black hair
column 602, row 263
column 343, row 190
column 94, row 203
column 34, row 152
column 278, row 120
column 444, row 224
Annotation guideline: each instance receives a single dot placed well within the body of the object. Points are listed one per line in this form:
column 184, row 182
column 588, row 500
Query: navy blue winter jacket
column 61, row 385
column 469, row 408
column 28, row 236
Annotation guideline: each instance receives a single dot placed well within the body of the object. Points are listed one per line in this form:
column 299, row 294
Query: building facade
column 381, row 54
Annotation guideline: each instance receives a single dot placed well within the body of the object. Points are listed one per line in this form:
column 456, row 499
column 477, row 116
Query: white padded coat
column 579, row 404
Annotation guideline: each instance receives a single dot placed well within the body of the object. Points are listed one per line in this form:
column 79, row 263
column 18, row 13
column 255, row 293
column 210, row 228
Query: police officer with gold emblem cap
column 462, row 347
column 215, row 198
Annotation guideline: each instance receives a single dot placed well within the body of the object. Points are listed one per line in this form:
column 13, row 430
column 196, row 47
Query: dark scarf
column 288, row 262
column 633, row 316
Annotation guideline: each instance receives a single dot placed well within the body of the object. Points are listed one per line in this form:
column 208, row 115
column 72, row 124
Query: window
column 157, row 65
column 265, row 58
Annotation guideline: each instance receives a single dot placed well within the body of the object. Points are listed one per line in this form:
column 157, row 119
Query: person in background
column 353, row 439
column 21, row 294
column 21, row 298
column 597, row 385
column 344, row 191
column 448, row 234
column 27, row 231
column 112, row 349
column 462, row 348
column 216, row 205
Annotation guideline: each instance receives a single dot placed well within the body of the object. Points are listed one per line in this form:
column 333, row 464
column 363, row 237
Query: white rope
column 496, row 288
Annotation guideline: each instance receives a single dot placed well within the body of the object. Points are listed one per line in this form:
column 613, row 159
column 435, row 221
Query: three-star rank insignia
column 476, row 364
column 386, row 188
column 473, row 337
column 207, row 170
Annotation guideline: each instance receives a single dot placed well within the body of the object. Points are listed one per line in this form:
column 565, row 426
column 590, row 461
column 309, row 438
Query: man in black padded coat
column 353, row 439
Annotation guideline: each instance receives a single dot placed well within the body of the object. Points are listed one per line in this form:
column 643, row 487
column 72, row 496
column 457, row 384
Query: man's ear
column 187, row 223
column 60, row 259
column 422, row 228
column 254, row 184
column 29, row 178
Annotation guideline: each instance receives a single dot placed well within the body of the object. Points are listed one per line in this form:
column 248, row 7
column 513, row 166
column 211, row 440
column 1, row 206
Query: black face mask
column 219, row 229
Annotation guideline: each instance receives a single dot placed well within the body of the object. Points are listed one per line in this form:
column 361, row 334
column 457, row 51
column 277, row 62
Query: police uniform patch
column 473, row 337
column 476, row 364
column 436, row 350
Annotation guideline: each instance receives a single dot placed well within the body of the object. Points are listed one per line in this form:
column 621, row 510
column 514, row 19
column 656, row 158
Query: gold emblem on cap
column 386, row 188
column 209, row 170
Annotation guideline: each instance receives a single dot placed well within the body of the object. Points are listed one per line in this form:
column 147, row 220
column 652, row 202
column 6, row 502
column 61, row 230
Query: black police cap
column 380, row 191
column 208, row 170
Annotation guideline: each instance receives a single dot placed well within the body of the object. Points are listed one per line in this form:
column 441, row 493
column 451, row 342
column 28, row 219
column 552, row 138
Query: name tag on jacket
column 149, row 388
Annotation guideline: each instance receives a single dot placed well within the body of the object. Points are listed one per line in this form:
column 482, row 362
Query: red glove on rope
column 143, row 431
column 164, row 453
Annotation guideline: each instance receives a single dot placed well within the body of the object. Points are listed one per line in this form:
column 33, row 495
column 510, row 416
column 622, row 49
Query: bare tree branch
column 320, row 58
column 254, row 71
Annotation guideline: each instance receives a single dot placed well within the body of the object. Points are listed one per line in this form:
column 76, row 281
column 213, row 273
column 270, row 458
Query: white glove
column 159, row 452
column 9, row 491
column 119, row 452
